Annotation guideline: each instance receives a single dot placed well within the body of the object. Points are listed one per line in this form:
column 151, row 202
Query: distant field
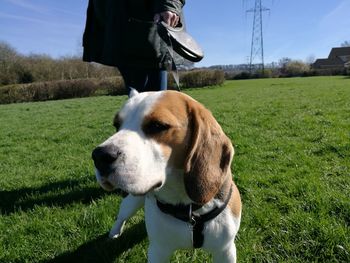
column 292, row 166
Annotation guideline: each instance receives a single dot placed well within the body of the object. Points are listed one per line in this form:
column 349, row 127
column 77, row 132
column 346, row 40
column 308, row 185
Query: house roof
column 328, row 62
column 339, row 51
column 337, row 58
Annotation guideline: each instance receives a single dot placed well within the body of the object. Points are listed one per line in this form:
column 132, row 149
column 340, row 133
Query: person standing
column 123, row 33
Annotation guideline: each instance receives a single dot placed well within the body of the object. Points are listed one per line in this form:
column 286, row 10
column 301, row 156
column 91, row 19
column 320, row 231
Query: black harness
column 187, row 214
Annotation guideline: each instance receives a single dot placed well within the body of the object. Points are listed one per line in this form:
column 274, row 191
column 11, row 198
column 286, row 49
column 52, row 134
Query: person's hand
column 168, row 17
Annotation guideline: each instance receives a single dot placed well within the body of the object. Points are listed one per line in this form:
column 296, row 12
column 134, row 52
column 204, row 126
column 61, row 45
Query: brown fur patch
column 210, row 156
column 235, row 201
column 171, row 109
column 195, row 142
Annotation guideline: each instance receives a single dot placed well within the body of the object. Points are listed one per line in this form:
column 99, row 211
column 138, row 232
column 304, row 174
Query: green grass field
column 292, row 166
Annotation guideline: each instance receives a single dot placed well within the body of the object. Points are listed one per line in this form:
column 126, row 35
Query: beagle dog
column 170, row 155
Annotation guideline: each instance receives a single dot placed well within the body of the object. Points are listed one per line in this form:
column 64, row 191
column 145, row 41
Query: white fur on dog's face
column 141, row 165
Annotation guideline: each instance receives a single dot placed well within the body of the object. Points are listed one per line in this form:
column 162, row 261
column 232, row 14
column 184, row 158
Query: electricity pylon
column 257, row 47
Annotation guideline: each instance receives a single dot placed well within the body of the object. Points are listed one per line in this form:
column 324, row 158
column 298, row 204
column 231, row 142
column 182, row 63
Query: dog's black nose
column 104, row 156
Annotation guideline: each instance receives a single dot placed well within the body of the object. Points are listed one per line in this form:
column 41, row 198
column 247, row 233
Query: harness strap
column 186, row 213
column 182, row 212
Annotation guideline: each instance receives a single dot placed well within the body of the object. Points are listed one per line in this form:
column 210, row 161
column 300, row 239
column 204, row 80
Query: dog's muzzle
column 116, row 169
column 104, row 157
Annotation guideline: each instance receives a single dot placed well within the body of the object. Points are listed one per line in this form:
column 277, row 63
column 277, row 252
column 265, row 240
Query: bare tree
column 310, row 59
column 345, row 44
column 7, row 52
column 8, row 61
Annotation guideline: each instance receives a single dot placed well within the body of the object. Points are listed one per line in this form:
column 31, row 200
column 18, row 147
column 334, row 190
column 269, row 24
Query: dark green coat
column 122, row 32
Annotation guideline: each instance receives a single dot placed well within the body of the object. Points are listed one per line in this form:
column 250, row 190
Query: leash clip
column 191, row 217
column 193, row 221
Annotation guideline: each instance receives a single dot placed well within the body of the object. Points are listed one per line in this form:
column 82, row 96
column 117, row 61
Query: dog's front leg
column 227, row 255
column 158, row 253
column 128, row 208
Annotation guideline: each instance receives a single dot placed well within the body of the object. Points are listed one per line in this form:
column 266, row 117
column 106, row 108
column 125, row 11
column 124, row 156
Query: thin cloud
column 28, row 6
column 39, row 21
column 22, row 18
column 63, row 11
column 337, row 16
column 335, row 26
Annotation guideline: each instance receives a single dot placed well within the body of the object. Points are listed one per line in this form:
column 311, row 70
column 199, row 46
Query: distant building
column 339, row 58
column 347, row 64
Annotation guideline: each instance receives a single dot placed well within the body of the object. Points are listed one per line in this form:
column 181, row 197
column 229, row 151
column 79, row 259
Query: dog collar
column 187, row 213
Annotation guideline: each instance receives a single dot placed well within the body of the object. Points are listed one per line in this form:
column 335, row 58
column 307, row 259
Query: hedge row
column 197, row 79
column 62, row 89
column 65, row 89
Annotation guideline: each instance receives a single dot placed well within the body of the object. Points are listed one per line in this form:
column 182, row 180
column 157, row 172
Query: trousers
column 144, row 79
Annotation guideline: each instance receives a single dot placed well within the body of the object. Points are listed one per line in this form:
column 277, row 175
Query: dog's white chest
column 166, row 229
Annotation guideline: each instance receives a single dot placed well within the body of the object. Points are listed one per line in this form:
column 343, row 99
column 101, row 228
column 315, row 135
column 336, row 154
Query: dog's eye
column 155, row 127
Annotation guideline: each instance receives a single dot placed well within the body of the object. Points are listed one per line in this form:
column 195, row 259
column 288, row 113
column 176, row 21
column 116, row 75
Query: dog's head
column 157, row 133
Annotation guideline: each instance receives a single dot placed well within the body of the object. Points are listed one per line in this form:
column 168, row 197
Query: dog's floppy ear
column 209, row 156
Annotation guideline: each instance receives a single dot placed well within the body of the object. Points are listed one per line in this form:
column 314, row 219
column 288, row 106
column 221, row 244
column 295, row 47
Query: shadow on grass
column 59, row 194
column 103, row 249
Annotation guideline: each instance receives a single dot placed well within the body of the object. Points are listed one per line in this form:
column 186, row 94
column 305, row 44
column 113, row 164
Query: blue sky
column 295, row 29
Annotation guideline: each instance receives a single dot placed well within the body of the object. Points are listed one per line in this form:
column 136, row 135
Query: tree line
column 16, row 68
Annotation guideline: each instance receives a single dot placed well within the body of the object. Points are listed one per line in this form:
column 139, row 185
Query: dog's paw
column 117, row 229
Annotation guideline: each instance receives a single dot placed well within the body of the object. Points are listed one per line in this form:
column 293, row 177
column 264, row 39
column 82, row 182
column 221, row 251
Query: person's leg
column 143, row 79
column 157, row 80
column 134, row 78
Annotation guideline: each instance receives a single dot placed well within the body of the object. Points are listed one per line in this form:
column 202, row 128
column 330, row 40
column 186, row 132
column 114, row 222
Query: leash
column 173, row 68
column 179, row 41
column 187, row 214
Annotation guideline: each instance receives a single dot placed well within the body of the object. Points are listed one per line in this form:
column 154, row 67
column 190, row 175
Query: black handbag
column 180, row 41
